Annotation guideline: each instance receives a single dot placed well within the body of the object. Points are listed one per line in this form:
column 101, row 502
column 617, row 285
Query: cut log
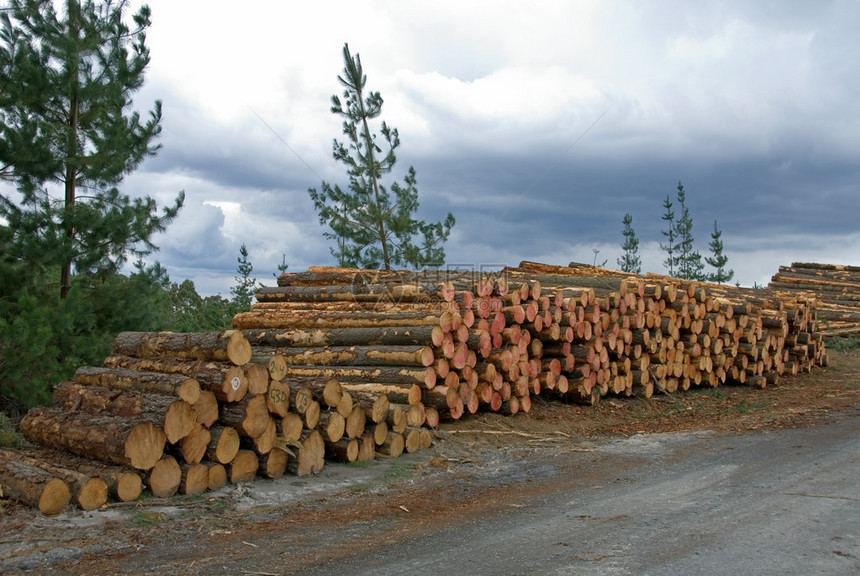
column 165, row 477
column 311, row 455
column 227, row 381
column 206, row 408
column 292, row 426
column 393, row 445
column 356, row 422
column 128, row 441
column 250, row 417
column 278, row 398
column 221, row 346
column 139, row 381
column 195, row 479
column 332, row 426
column 195, row 444
column 320, row 337
column 217, row 476
column 88, row 492
column 223, row 445
column 391, row 374
column 366, row 448
column 264, row 443
column 274, row 464
column 396, row 393
column 344, row 450
column 32, row 485
column 258, row 378
column 376, row 355
column 244, row 467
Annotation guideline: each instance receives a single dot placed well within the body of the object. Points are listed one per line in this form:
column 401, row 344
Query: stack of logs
column 348, row 364
column 836, row 287
column 187, row 413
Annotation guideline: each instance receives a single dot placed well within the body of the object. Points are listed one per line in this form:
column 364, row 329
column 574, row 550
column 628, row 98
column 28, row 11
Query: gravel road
column 771, row 502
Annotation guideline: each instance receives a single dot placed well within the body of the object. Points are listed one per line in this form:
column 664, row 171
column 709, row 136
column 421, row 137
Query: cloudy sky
column 539, row 125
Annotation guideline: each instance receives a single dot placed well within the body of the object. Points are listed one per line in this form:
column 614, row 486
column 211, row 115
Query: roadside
column 478, row 467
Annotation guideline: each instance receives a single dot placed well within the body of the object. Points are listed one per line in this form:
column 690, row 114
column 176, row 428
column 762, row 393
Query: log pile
column 345, row 364
column 184, row 413
column 836, row 288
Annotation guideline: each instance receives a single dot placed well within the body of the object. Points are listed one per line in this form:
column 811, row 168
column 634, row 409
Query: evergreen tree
column 688, row 262
column 371, row 228
column 718, row 260
column 282, row 267
column 669, row 248
column 630, row 261
column 246, row 286
column 67, row 119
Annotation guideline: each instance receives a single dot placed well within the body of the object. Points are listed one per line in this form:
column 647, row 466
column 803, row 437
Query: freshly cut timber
column 358, row 292
column 89, row 492
column 71, row 397
column 206, row 408
column 302, row 319
column 217, row 476
column 250, row 417
column 227, row 381
column 194, row 445
column 244, row 466
column 311, row 455
column 376, row 355
column 32, row 485
column 129, row 441
column 274, row 463
column 220, row 346
column 139, row 381
column 338, row 336
column 165, row 477
column 389, row 374
column 195, row 479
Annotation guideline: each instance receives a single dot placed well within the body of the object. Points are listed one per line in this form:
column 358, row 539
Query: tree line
column 682, row 260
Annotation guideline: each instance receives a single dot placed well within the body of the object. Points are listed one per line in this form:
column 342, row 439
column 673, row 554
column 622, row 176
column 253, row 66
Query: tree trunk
column 218, row 346
column 139, row 381
column 134, row 441
column 32, row 485
column 244, row 466
column 310, row 456
column 195, row 479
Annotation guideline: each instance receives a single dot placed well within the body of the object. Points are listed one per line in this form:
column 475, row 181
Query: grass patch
column 8, row 435
column 745, row 407
column 145, row 519
column 843, row 343
column 398, row 470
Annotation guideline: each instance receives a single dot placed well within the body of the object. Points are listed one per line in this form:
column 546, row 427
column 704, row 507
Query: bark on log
column 139, row 381
column 393, row 374
column 128, row 441
column 377, row 355
column 88, row 492
column 321, row 337
column 32, row 485
column 228, row 382
column 344, row 450
column 219, row 346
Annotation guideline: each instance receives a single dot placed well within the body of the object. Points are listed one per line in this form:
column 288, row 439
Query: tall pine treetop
column 371, row 224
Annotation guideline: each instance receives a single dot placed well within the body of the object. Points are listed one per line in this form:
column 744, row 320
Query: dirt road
column 723, row 481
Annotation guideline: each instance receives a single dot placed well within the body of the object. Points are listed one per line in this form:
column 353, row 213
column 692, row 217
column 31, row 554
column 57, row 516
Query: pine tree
column 371, row 228
column 688, row 263
column 67, row 120
column 669, row 248
column 718, row 260
column 630, row 261
column 246, row 286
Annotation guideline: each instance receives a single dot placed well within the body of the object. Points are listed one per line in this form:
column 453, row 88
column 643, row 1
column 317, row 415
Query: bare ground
column 478, row 466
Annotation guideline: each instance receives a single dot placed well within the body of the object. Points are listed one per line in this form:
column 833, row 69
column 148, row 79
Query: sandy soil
column 476, row 466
